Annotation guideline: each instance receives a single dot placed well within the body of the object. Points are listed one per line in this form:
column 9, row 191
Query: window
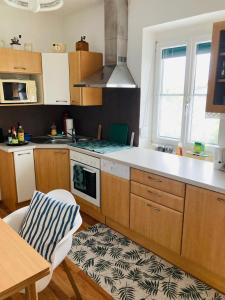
column 180, row 98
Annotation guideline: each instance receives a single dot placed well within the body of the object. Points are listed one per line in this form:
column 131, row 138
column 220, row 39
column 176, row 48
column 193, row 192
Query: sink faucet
column 73, row 135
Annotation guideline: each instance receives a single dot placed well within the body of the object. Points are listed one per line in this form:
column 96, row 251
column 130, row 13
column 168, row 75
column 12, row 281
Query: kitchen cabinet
column 19, row 61
column 56, row 78
column 52, row 169
column 115, row 192
column 216, row 84
column 204, row 229
column 156, row 222
column 161, row 201
column 83, row 64
column 17, row 177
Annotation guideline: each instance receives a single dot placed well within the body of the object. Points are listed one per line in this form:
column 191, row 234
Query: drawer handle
column 61, row 101
column 154, row 208
column 221, row 200
column 59, row 152
column 150, row 192
column 154, row 179
column 21, row 154
column 20, row 68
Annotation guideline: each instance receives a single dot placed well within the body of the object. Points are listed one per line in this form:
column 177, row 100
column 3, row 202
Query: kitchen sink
column 60, row 141
column 50, row 140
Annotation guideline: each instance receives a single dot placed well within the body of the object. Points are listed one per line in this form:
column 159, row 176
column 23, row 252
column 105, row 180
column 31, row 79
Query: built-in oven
column 85, row 177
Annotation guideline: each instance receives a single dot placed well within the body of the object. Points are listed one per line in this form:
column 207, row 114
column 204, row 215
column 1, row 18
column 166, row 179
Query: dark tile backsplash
column 119, row 106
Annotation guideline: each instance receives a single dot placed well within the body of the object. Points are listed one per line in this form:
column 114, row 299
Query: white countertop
column 196, row 172
column 185, row 169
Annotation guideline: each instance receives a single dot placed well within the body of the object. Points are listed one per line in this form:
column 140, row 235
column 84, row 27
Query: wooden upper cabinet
column 52, row 169
column 216, row 83
column 21, row 62
column 204, row 229
column 83, row 64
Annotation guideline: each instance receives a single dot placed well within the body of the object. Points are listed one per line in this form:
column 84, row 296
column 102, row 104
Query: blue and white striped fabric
column 47, row 222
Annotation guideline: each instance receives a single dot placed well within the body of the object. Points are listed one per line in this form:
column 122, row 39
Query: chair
column 15, row 220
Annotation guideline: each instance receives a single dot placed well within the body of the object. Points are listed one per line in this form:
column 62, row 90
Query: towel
column 79, row 178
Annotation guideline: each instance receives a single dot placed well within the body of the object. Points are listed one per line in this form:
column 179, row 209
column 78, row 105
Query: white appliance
column 17, row 91
column 115, row 169
column 55, row 69
column 90, row 167
column 25, row 174
column 219, row 158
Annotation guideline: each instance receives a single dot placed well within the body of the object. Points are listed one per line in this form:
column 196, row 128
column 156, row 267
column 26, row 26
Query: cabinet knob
column 154, row 179
column 221, row 200
column 156, row 209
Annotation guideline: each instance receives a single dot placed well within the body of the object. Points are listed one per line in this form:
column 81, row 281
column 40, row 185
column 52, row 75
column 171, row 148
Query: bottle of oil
column 20, row 134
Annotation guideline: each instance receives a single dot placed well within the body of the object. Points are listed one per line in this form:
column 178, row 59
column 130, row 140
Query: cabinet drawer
column 158, row 182
column 156, row 222
column 158, row 196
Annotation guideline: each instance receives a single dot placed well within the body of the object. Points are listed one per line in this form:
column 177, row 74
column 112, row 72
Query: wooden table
column 20, row 265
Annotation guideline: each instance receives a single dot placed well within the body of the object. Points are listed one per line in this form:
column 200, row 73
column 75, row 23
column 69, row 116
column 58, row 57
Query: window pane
column 173, row 70
column 170, row 116
column 202, row 73
column 202, row 129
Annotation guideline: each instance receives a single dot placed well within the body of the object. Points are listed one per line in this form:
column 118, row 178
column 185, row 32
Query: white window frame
column 188, row 90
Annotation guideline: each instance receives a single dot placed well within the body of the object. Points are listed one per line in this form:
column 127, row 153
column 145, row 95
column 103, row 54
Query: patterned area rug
column 127, row 271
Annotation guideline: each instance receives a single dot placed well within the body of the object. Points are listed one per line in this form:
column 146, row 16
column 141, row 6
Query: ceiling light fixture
column 36, row 5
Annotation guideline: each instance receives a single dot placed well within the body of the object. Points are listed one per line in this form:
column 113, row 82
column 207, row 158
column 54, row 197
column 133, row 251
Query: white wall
column 42, row 29
column 89, row 22
column 145, row 13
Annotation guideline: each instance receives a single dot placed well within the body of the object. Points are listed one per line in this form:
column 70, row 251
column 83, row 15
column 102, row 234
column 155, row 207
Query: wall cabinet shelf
column 83, row 64
column 216, row 84
column 20, row 62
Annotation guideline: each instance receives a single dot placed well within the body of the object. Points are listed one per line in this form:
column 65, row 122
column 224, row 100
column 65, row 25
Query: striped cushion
column 47, row 222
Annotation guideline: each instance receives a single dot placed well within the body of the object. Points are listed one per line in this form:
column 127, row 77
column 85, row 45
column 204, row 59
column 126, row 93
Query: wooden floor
column 59, row 287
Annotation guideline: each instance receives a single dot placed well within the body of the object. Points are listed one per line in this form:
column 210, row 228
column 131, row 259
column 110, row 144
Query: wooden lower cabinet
column 52, row 169
column 156, row 222
column 204, row 229
column 115, row 195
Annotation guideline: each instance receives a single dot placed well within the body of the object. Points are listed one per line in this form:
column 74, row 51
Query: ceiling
column 71, row 6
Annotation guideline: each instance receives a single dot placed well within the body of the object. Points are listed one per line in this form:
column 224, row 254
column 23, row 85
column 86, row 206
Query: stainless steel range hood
column 115, row 73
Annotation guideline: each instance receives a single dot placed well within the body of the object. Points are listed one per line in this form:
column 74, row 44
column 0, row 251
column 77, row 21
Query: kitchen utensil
column 99, row 135
column 118, row 133
column 82, row 45
column 69, row 126
column 132, row 139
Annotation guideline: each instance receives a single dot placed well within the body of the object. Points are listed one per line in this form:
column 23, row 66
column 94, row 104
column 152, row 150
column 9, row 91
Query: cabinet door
column 52, row 169
column 204, row 229
column 83, row 64
column 216, row 88
column 25, row 175
column 21, row 62
column 56, row 78
column 156, row 222
column 115, row 193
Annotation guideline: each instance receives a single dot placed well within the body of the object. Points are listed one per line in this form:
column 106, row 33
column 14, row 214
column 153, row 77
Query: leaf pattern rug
column 127, row 271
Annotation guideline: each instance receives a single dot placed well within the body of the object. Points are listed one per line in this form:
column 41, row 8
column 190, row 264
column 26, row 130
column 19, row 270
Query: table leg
column 31, row 293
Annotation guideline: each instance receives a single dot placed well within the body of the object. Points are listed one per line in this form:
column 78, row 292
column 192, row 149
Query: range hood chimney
column 115, row 73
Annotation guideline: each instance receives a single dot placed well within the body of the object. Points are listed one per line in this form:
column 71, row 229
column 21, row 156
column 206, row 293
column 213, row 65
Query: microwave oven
column 17, row 91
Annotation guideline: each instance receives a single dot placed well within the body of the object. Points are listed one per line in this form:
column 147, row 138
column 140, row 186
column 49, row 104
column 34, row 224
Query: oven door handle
column 90, row 171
